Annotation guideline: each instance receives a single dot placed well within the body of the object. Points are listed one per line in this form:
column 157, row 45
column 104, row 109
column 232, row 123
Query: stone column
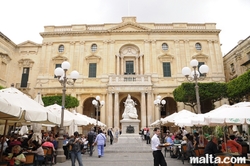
column 43, row 59
column 150, row 111
column 179, row 65
column 82, row 61
column 105, row 61
column 118, row 65
column 110, row 110
column 116, row 110
column 143, row 110
column 112, row 60
column 141, row 65
column 136, row 65
column 147, row 57
column 103, row 109
column 71, row 53
column 156, row 110
column 122, row 69
column 47, row 60
column 154, row 60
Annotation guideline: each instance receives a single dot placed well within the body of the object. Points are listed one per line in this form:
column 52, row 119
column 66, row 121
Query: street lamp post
column 158, row 102
column 60, row 73
column 98, row 104
column 195, row 76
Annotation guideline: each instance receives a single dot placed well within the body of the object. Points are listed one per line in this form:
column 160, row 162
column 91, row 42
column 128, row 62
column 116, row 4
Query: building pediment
column 166, row 58
column 200, row 57
column 93, row 59
column 59, row 59
column 28, row 43
column 128, row 26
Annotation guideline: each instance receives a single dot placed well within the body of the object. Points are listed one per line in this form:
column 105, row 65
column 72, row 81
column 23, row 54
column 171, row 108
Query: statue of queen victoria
column 130, row 111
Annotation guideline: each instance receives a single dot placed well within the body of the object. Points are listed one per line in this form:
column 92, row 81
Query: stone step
column 140, row 147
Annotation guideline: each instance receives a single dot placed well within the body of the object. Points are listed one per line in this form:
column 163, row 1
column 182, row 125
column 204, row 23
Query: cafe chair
column 30, row 159
column 245, row 149
column 183, row 152
column 50, row 157
column 222, row 156
column 198, row 152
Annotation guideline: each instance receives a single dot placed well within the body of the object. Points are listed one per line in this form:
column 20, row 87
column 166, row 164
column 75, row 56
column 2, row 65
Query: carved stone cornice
column 59, row 59
column 5, row 58
column 82, row 42
column 93, row 59
column 129, row 50
column 166, row 58
column 200, row 57
column 25, row 63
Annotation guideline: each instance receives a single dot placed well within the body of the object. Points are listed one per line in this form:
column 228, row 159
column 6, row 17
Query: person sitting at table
column 168, row 139
column 231, row 145
column 16, row 157
column 48, row 143
column 212, row 148
column 202, row 139
column 66, row 146
column 240, row 141
column 177, row 140
column 184, row 140
column 15, row 141
column 38, row 150
column 191, row 144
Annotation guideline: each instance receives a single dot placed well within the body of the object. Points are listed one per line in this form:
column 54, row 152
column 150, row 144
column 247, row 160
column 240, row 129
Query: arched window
column 93, row 47
column 164, row 47
column 198, row 46
column 61, row 48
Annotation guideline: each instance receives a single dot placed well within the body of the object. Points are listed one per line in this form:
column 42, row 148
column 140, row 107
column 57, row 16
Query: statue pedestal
column 130, row 131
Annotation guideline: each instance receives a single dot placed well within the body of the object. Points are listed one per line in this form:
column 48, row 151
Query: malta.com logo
column 217, row 160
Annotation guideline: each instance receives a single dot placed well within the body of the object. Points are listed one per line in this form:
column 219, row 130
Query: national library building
column 115, row 60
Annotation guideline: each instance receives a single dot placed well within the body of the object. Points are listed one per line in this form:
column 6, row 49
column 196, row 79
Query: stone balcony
column 129, row 80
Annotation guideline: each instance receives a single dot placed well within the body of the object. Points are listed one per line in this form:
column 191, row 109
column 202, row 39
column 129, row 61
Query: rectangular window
column 199, row 65
column 57, row 65
column 92, row 70
column 129, row 67
column 166, row 69
column 25, row 77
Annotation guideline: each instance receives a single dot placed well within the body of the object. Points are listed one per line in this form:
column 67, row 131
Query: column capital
column 82, row 42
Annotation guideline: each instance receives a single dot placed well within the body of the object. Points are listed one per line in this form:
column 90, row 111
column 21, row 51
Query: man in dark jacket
column 91, row 138
column 212, row 148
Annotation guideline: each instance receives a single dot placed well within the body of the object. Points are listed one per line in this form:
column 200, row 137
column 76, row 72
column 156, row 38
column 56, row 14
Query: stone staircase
column 134, row 146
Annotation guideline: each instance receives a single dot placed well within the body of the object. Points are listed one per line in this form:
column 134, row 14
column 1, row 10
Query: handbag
column 104, row 142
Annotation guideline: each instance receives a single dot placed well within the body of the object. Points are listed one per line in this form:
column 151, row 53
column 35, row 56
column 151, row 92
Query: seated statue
column 130, row 111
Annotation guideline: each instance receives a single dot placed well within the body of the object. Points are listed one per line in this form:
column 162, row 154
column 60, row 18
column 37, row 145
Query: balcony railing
column 130, row 80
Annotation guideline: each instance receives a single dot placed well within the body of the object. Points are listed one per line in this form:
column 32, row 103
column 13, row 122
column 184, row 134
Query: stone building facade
column 114, row 59
column 237, row 61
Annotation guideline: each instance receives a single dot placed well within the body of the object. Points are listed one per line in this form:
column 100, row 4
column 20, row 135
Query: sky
column 23, row 20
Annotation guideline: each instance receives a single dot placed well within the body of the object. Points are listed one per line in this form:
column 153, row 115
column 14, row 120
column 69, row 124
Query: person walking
column 91, row 139
column 75, row 152
column 100, row 141
column 155, row 145
column 111, row 135
column 148, row 137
